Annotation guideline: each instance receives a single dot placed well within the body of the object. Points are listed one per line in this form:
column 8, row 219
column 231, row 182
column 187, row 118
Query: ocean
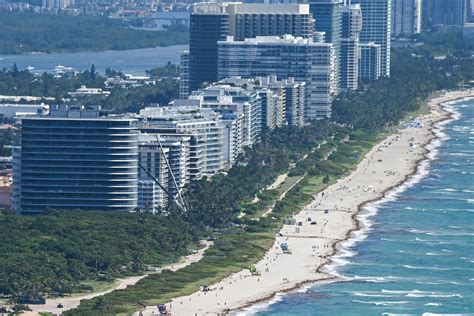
column 415, row 254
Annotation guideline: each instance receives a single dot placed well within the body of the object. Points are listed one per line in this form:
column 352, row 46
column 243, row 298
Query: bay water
column 134, row 61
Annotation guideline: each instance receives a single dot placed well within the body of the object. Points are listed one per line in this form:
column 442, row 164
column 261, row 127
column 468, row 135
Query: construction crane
column 181, row 201
column 181, row 197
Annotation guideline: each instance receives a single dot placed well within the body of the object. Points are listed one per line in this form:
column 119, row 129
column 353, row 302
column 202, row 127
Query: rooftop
column 285, row 39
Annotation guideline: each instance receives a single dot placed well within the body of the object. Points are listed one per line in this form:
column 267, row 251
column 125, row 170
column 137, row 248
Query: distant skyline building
column 209, row 23
column 294, row 99
column 447, row 13
column 213, row 22
column 75, row 159
column 328, row 20
column 406, row 17
column 56, row 4
column 370, row 62
column 251, row 20
column 470, row 13
column 283, row 101
column 376, row 27
column 285, row 56
column 184, row 74
column 351, row 26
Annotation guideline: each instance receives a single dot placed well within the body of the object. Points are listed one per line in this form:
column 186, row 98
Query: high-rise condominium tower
column 376, row 27
column 212, row 22
column 75, row 159
column 447, row 13
column 406, row 17
column 328, row 20
column 209, row 23
column 351, row 25
column 286, row 56
column 369, row 62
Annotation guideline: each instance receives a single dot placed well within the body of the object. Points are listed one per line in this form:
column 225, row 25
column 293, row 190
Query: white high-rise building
column 151, row 197
column 370, row 62
column 184, row 75
column 204, row 126
column 245, row 104
column 351, row 25
column 376, row 27
column 285, row 56
column 406, row 17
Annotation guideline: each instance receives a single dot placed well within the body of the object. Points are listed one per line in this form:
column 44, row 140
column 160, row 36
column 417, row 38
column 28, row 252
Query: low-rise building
column 11, row 110
column 85, row 91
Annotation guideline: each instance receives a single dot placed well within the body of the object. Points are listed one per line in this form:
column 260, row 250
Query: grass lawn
column 99, row 286
column 289, row 181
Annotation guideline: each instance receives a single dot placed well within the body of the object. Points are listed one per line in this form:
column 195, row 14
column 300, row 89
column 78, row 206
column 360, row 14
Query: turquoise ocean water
column 415, row 255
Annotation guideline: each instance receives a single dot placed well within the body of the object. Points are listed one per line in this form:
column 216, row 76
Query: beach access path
column 74, row 301
column 328, row 220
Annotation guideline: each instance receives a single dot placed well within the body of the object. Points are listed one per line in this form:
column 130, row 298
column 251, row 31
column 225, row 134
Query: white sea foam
column 254, row 309
column 433, row 314
column 383, row 303
column 363, row 294
column 433, row 295
column 433, row 304
column 449, row 190
column 429, row 283
column 419, row 294
column 373, row 279
column 425, row 268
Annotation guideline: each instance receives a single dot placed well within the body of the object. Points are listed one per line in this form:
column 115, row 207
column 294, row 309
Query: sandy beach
column 330, row 219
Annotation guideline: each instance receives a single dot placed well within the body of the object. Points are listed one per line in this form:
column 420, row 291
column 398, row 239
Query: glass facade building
column 213, row 22
column 328, row 20
column 447, row 13
column 351, row 25
column 369, row 62
column 406, row 17
column 70, row 160
column 209, row 23
column 376, row 27
column 285, row 57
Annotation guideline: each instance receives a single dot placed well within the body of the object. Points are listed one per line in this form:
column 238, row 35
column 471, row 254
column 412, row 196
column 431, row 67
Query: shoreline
column 344, row 221
column 448, row 117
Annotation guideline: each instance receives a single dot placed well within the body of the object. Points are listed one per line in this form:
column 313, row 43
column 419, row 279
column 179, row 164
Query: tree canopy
column 30, row 32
